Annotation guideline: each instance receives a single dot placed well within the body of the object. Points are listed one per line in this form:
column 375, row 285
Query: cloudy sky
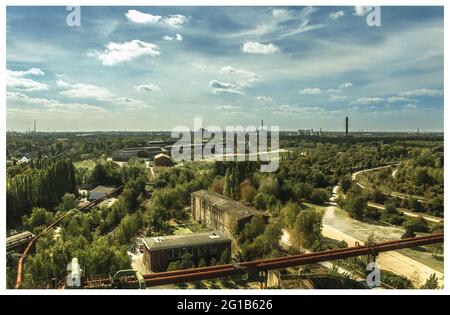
column 152, row 68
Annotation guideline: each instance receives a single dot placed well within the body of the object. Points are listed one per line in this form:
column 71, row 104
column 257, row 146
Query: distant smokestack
column 346, row 126
column 34, row 129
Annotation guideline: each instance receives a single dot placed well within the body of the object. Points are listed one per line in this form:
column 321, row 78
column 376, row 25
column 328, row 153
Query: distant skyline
column 153, row 68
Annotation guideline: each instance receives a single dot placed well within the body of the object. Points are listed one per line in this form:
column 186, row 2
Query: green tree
column 289, row 214
column 318, row 196
column 346, row 183
column 68, row 202
column 307, row 228
column 39, row 219
column 227, row 183
column 253, row 229
column 431, row 283
column 355, row 206
column 260, row 201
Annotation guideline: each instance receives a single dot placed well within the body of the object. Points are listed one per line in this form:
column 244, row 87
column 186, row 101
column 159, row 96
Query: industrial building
column 221, row 213
column 161, row 250
column 123, row 155
column 99, row 192
column 163, row 160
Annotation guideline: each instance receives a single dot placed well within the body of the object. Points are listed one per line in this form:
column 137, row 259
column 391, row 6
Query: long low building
column 123, row 155
column 221, row 213
column 161, row 250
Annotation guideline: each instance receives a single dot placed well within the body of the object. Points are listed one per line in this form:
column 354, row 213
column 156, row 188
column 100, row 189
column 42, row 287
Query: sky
column 155, row 68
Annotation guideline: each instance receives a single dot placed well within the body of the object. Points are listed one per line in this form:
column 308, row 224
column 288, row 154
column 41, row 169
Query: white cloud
column 81, row 90
column 15, row 79
column 224, row 87
column 51, row 104
column 62, row 84
column 32, row 71
column 147, row 88
column 337, row 98
column 227, row 107
column 410, row 106
column 119, row 52
column 333, row 91
column 132, row 103
column 177, row 37
column 422, row 92
column 346, row 85
column 336, row 15
column 305, row 26
column 263, row 98
column 368, row 100
column 174, row 20
column 89, row 91
column 361, row 10
column 242, row 77
column 276, row 26
column 282, row 14
column 258, row 48
column 304, row 111
column 394, row 99
column 142, row 18
column 310, row 91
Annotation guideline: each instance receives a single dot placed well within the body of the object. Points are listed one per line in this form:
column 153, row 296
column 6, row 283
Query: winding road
column 406, row 212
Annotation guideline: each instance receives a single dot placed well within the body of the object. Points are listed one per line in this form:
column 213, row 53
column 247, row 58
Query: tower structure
column 346, row 126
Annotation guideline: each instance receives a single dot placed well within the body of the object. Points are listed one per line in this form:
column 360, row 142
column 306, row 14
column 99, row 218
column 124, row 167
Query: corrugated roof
column 226, row 204
column 185, row 240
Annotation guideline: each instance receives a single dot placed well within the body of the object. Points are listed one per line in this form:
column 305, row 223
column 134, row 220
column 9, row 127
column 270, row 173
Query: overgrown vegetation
column 46, row 188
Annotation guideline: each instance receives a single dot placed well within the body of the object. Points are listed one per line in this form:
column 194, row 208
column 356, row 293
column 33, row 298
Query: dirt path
column 395, row 262
column 410, row 213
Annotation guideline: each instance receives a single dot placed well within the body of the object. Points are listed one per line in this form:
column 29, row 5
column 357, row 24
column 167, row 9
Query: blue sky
column 153, row 68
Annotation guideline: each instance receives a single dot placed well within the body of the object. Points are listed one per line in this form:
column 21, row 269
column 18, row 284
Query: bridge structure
column 262, row 266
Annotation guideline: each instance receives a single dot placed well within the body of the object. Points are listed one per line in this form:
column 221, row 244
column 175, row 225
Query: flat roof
column 185, row 240
column 238, row 209
column 102, row 189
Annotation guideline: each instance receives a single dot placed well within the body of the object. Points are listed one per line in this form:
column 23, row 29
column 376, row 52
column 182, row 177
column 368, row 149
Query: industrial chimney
column 346, row 126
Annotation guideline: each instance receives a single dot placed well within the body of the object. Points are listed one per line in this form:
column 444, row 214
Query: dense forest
column 40, row 184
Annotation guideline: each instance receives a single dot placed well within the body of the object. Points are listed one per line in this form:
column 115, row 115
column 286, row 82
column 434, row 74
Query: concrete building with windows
column 159, row 251
column 221, row 213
